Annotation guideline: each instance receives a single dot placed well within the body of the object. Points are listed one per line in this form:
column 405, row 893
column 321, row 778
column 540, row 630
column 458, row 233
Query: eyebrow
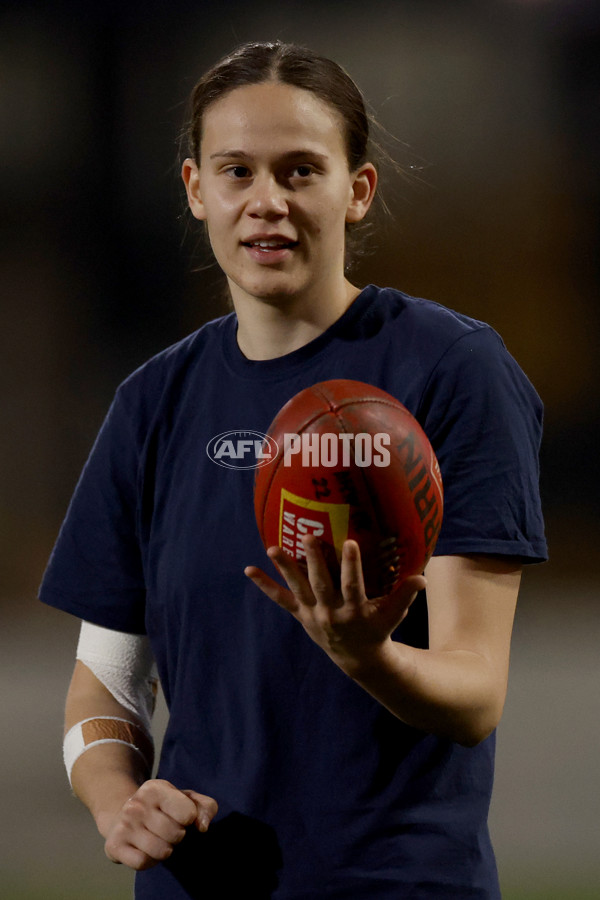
column 291, row 154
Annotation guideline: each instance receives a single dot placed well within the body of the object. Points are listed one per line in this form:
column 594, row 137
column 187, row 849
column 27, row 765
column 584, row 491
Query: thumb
column 413, row 584
column 407, row 590
column 206, row 809
column 395, row 606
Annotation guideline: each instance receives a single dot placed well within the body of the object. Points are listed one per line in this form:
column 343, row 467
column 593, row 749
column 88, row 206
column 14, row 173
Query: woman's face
column 275, row 190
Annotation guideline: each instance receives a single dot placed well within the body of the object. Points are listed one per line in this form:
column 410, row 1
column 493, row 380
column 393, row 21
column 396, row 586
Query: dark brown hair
column 254, row 63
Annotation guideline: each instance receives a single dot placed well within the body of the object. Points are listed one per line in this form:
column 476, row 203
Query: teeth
column 271, row 245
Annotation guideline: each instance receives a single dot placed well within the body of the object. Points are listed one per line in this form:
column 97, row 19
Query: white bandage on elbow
column 124, row 664
column 106, row 730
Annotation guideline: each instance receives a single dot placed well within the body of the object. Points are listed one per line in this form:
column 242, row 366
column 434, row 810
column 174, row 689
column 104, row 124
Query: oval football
column 352, row 462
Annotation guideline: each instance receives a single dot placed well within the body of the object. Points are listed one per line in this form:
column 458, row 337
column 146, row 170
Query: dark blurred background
column 493, row 109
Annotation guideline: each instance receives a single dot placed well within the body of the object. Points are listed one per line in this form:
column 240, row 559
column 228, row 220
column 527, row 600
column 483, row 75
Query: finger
column 319, row 576
column 158, row 810
column 295, row 578
column 352, row 580
column 410, row 587
column 270, row 587
column 163, row 826
column 150, row 845
column 136, row 848
column 164, row 796
column 127, row 855
column 395, row 606
column 206, row 809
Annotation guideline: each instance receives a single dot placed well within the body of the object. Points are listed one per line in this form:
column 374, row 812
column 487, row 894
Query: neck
column 274, row 326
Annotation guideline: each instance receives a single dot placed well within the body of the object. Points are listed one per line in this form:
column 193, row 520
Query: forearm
column 452, row 693
column 140, row 818
column 457, row 688
column 104, row 778
column 105, row 775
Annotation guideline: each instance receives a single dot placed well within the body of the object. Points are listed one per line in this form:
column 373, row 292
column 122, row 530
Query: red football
column 352, row 462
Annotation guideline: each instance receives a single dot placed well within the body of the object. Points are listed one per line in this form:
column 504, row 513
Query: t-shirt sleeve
column 95, row 570
column 484, row 420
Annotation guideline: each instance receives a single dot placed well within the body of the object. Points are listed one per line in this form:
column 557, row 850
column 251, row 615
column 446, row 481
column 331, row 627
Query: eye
column 302, row 171
column 238, row 172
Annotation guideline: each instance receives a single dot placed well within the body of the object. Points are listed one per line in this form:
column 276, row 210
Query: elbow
column 474, row 737
column 477, row 727
column 481, row 717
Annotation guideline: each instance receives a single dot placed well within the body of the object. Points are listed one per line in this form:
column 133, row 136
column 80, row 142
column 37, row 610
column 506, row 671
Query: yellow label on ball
column 299, row 516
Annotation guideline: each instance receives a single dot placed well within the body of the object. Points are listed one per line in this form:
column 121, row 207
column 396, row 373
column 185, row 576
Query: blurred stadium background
column 494, row 106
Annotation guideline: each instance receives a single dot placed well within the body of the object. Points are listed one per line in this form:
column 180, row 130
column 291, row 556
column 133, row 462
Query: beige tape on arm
column 106, row 730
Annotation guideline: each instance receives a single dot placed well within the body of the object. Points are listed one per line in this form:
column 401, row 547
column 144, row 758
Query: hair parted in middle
column 257, row 62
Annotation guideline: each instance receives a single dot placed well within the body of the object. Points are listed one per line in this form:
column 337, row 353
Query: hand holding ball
column 352, row 463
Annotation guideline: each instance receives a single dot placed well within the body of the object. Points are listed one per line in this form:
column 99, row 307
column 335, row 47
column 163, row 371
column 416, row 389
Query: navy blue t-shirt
column 322, row 792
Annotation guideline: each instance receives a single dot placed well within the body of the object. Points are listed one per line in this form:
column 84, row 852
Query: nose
column 267, row 199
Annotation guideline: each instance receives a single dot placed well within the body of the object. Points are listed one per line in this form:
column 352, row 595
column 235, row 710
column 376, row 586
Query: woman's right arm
column 140, row 819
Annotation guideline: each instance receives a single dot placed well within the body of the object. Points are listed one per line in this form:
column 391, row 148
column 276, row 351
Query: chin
column 273, row 291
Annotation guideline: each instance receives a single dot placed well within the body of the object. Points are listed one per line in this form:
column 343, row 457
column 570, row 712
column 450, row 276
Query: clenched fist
column 153, row 821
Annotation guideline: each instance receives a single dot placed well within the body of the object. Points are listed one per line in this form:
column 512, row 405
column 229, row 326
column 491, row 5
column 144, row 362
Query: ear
column 191, row 178
column 364, row 185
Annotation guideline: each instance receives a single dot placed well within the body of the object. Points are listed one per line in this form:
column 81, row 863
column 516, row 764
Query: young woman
column 319, row 745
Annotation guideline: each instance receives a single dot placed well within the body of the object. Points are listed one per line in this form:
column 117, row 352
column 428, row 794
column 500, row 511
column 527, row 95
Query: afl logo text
column 242, row 449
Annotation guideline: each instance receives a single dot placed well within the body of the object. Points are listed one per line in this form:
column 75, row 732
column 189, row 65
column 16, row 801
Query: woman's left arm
column 456, row 688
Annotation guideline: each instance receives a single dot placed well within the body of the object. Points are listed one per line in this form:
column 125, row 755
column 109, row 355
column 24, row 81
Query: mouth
column 270, row 244
column 269, row 251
